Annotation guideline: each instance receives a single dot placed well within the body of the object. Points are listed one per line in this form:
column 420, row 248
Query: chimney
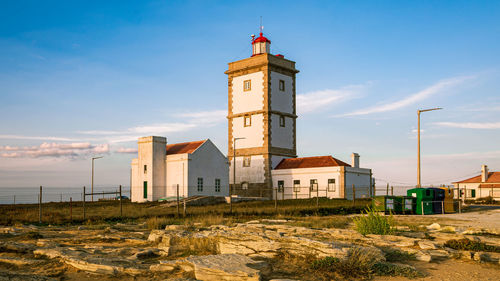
column 484, row 173
column 355, row 160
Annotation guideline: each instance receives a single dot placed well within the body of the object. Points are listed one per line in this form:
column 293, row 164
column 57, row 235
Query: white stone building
column 198, row 168
column 262, row 129
column 321, row 176
column 484, row 185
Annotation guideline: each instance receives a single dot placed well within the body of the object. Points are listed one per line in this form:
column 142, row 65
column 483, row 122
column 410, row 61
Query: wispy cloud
column 47, row 138
column 317, row 100
column 469, row 125
column 126, row 150
column 70, row 150
column 425, row 93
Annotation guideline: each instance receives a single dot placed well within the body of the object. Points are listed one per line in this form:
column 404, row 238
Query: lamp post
column 419, row 176
column 234, row 174
column 92, row 179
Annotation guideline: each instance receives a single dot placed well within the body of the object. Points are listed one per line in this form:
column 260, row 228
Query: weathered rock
column 162, row 268
column 448, row 229
column 17, row 261
column 175, row 227
column 426, row 245
column 423, row 257
column 225, row 267
column 434, row 226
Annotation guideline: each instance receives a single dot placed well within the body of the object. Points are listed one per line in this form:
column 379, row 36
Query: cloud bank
column 469, row 125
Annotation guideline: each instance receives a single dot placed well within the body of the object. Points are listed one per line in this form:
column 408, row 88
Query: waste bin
column 437, row 202
column 388, row 204
column 424, row 197
column 409, row 205
column 449, row 206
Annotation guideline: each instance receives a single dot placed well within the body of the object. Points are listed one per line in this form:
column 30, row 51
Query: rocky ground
column 255, row 250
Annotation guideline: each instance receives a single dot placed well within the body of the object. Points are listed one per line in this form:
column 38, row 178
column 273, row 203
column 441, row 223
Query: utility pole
column 419, row 176
column 234, row 175
column 92, row 178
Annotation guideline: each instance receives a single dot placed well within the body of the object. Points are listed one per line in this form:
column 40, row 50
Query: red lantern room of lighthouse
column 261, row 45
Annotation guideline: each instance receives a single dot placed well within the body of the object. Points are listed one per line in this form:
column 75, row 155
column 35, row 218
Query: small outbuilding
column 487, row 184
column 321, row 176
column 162, row 171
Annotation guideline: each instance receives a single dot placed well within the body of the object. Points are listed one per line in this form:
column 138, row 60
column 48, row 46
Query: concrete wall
column 305, row 175
column 281, row 100
column 152, row 154
column 208, row 163
column 254, row 134
column 252, row 174
column 245, row 101
column 282, row 137
column 177, row 174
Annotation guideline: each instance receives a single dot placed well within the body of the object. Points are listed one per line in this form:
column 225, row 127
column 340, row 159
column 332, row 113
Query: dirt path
column 452, row 270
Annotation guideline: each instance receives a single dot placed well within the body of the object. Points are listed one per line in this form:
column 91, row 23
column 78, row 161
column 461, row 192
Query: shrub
column 374, row 223
column 470, row 245
column 385, row 268
column 394, row 255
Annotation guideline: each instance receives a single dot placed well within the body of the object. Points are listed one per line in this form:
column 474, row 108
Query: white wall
column 252, row 174
column 177, row 174
column 152, row 153
column 251, row 100
column 281, row 136
column 281, row 100
column 254, row 134
column 360, row 177
column 305, row 175
column 209, row 163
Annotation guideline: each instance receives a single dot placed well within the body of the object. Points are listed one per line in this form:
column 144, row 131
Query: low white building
column 484, row 185
column 322, row 176
column 194, row 168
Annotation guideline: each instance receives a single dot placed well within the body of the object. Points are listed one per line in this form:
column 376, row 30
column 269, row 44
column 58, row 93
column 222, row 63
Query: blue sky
column 83, row 78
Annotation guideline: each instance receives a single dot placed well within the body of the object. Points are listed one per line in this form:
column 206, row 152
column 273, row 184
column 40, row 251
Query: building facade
column 162, row 171
column 487, row 184
column 261, row 118
column 321, row 176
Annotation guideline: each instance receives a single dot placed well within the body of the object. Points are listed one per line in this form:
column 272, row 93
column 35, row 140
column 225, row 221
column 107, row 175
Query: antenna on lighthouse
column 261, row 26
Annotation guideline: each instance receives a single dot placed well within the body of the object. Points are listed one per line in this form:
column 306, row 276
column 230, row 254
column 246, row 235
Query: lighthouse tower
column 261, row 118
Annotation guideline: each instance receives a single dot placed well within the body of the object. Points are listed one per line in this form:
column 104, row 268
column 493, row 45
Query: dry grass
column 99, row 212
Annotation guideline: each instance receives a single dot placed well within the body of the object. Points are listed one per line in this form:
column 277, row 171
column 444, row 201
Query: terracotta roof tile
column 493, row 177
column 184, row 147
column 310, row 162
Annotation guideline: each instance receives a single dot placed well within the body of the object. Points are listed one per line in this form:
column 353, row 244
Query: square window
column 247, row 85
column 314, row 184
column 281, row 186
column 246, row 161
column 282, row 121
column 282, row 85
column 296, row 186
column 247, row 122
column 200, row 184
column 217, row 185
column 331, row 185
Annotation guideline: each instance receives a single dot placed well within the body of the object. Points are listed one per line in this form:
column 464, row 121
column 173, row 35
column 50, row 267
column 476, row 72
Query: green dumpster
column 424, row 198
column 388, row 204
column 409, row 205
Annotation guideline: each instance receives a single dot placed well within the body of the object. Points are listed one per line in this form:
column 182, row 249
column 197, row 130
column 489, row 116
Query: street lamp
column 92, row 180
column 234, row 173
column 419, row 177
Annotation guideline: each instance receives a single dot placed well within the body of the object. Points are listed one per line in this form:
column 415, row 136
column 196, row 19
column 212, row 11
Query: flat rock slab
column 225, row 267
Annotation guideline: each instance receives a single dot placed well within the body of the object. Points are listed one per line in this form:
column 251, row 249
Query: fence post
column 317, row 196
column 83, row 201
column 353, row 195
column 387, row 190
column 283, row 193
column 276, row 200
column 423, row 213
column 442, row 207
column 459, row 206
column 71, row 209
column 121, row 199
column 392, row 190
column 40, row 206
column 178, row 203
column 184, row 211
column 310, row 192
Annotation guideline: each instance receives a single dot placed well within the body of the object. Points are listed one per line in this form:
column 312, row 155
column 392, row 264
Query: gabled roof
column 184, row 147
column 493, row 177
column 310, row 162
